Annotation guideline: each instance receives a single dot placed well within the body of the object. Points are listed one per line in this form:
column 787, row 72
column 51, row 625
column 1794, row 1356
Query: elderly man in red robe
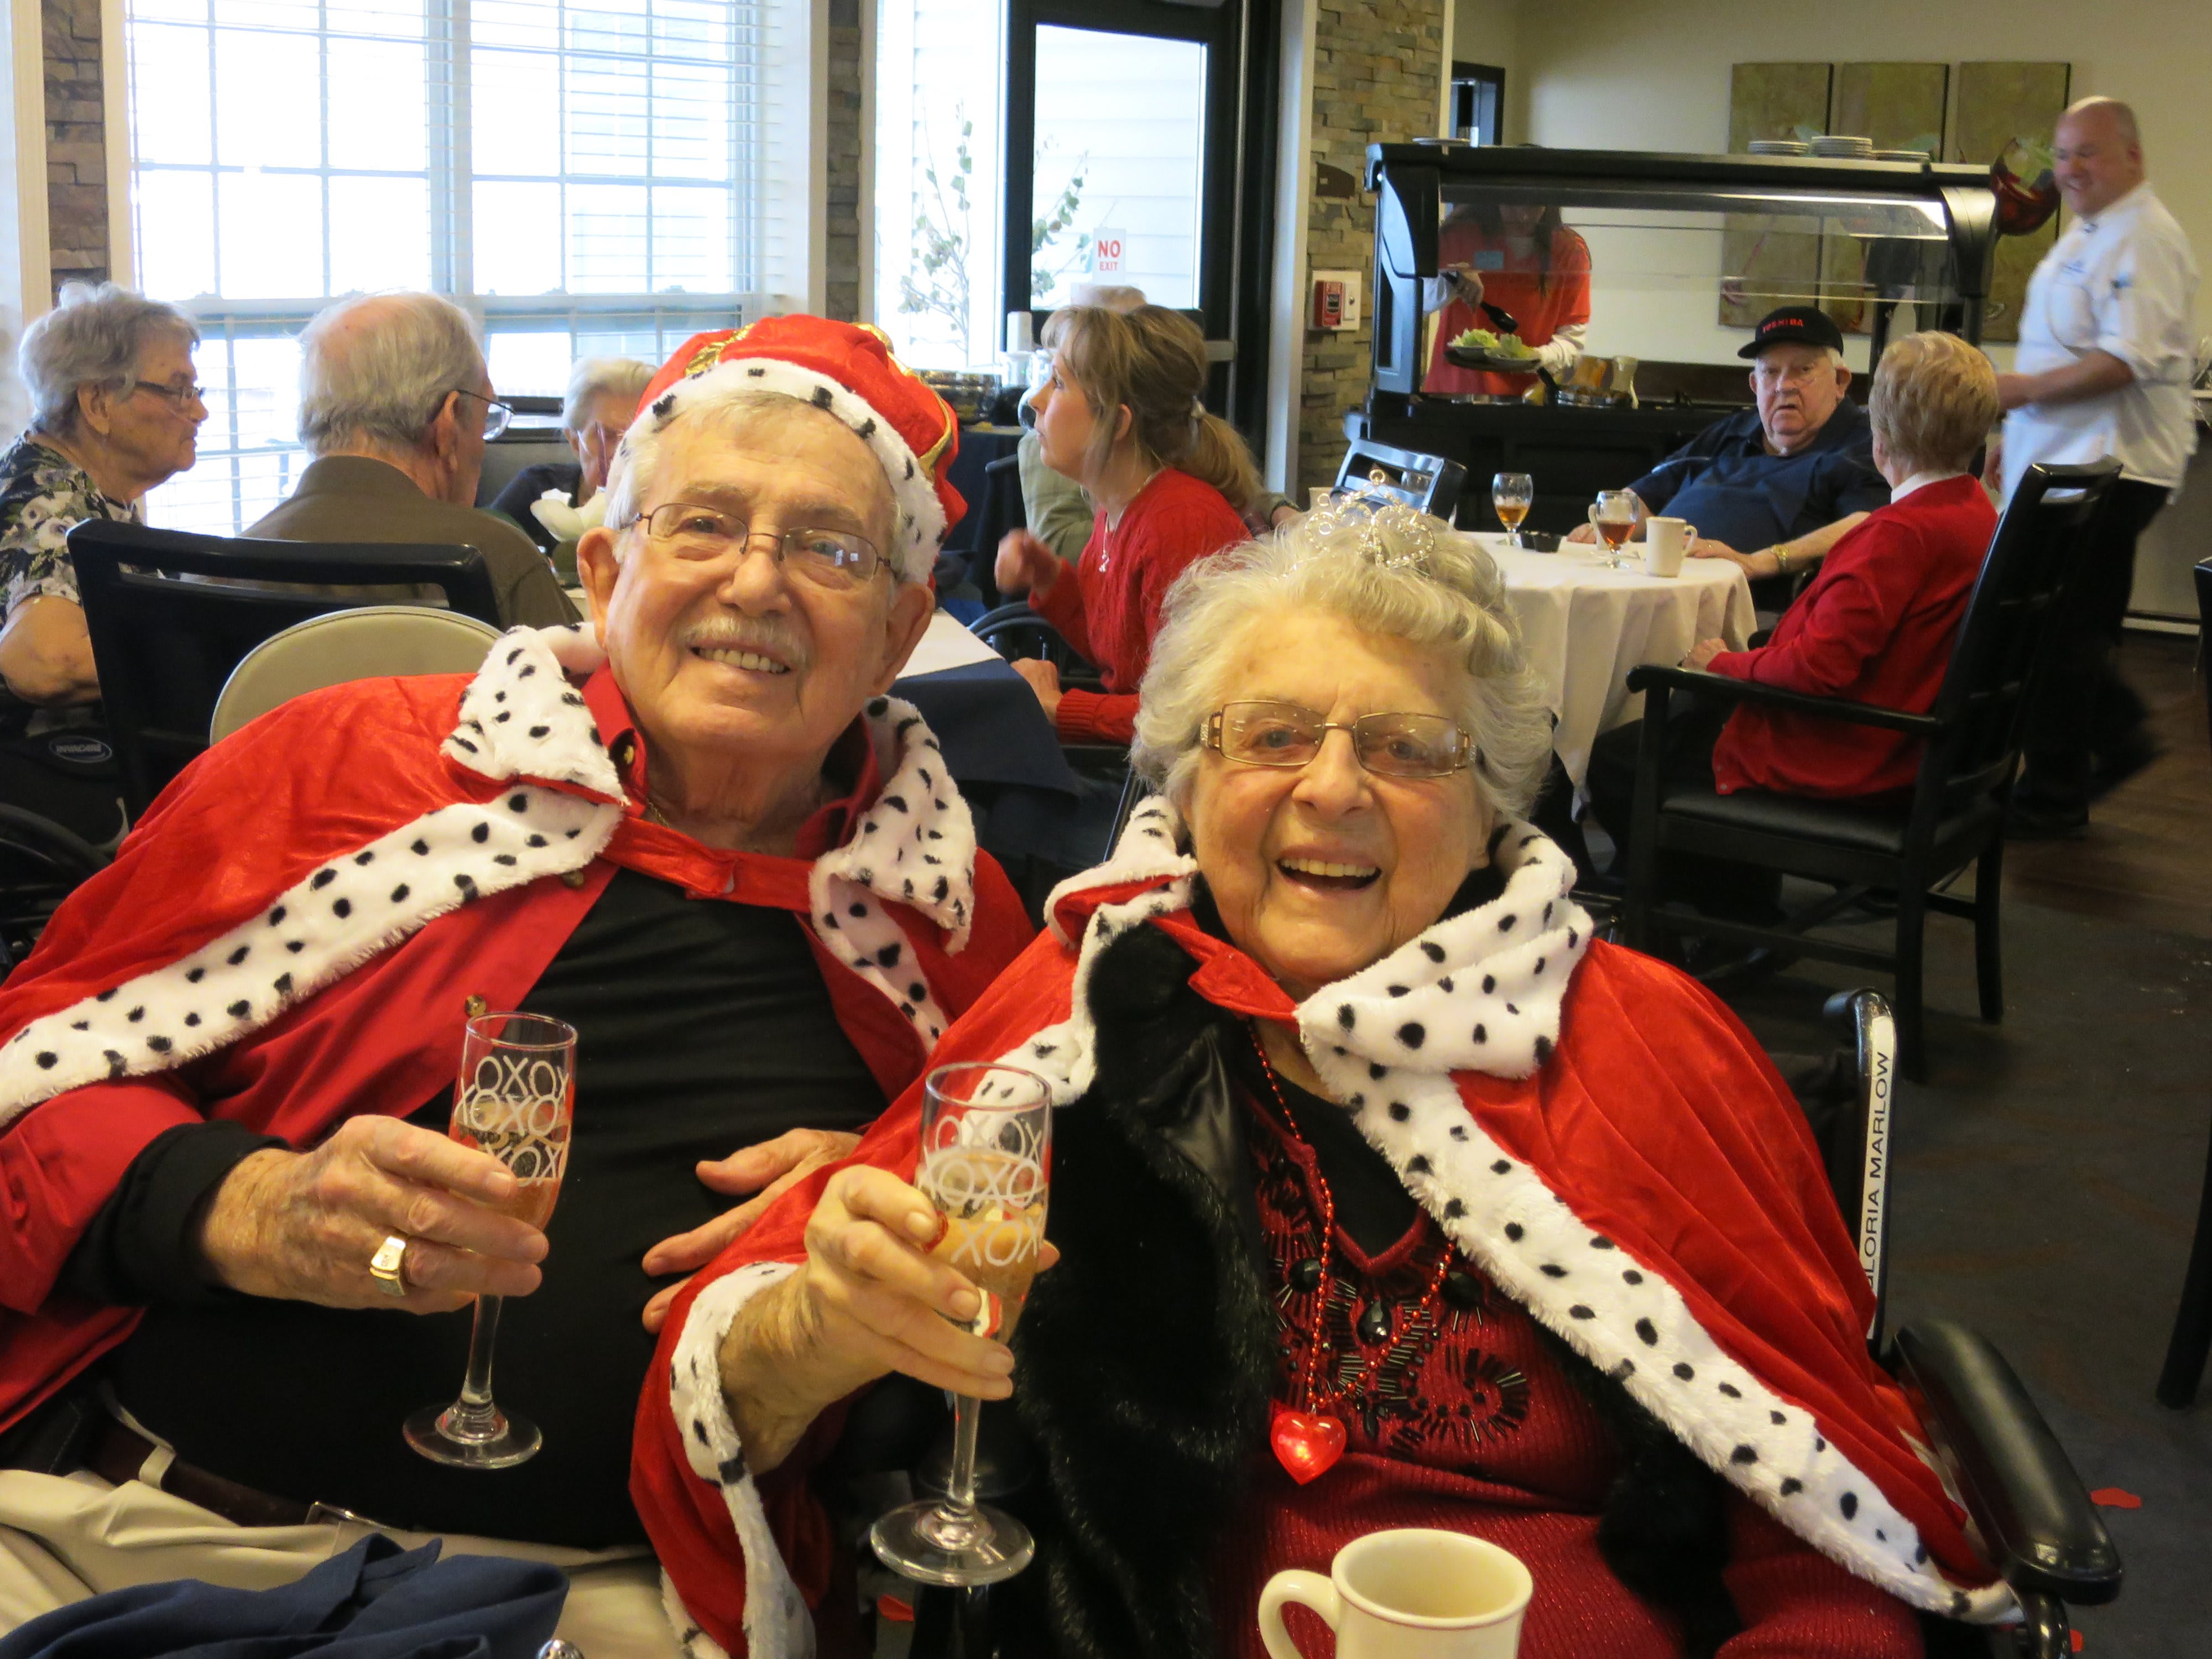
column 698, row 831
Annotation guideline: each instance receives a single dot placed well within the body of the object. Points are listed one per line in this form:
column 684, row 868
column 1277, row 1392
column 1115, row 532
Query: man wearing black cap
column 1775, row 487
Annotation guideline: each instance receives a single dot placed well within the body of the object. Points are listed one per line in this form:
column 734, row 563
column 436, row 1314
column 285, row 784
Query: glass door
column 1122, row 154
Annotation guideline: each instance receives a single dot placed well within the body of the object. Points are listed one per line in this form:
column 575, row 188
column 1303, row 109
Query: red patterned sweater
column 1467, row 1422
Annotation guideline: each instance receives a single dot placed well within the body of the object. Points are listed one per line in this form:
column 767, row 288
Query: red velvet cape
column 1648, row 1136
column 263, row 865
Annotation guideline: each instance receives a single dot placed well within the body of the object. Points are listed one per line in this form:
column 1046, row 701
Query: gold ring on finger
column 388, row 1266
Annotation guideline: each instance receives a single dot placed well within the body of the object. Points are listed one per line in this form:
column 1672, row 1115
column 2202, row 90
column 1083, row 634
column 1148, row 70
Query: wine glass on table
column 1511, row 496
column 1612, row 515
column 986, row 1164
column 515, row 1098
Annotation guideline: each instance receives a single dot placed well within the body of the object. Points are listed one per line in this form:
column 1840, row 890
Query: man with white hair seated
column 1775, row 487
column 699, row 832
column 553, row 501
column 395, row 406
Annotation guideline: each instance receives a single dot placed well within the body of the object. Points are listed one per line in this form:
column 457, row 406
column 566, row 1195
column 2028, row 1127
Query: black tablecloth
column 1005, row 755
column 991, row 726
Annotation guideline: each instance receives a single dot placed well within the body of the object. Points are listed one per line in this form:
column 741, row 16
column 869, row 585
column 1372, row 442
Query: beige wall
column 1639, row 74
column 1489, row 31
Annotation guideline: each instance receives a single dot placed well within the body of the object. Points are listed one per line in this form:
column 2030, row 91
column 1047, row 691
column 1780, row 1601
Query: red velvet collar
column 701, row 872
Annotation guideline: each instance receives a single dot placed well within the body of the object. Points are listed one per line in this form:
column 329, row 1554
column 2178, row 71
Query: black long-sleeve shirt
column 702, row 1027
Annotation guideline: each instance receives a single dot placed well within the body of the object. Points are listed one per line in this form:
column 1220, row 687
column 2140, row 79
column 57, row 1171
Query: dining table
column 1584, row 625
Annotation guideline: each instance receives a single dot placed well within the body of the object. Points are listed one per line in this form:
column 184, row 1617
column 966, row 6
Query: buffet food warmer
column 1683, row 253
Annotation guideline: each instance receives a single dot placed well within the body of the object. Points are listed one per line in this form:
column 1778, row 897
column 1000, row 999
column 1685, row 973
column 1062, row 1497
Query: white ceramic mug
column 1410, row 1593
column 1665, row 542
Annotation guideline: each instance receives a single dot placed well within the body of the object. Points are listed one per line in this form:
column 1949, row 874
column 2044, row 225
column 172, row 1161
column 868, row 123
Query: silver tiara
column 1392, row 536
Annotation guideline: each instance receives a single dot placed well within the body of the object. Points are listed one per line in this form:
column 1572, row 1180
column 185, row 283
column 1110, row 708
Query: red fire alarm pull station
column 1336, row 300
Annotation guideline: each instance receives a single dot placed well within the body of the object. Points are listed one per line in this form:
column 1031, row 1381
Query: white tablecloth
column 1585, row 626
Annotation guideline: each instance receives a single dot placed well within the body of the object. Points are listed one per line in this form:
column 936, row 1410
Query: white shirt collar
column 2118, row 206
column 1917, row 481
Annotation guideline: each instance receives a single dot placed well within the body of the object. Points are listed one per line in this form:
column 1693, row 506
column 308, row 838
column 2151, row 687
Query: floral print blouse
column 43, row 496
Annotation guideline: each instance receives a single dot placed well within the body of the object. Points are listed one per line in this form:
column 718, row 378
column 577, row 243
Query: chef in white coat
column 2107, row 349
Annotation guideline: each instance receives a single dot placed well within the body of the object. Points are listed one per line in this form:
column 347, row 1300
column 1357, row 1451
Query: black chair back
column 1428, row 483
column 164, row 643
column 1001, row 509
column 2039, row 544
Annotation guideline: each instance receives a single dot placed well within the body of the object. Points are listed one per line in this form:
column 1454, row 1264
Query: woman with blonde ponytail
column 1121, row 416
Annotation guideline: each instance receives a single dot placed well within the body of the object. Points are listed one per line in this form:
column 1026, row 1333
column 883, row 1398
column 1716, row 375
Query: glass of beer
column 515, row 1098
column 986, row 1164
column 1612, row 515
column 1511, row 496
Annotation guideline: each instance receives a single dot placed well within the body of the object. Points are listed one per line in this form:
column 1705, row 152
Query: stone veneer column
column 1377, row 78
column 76, row 142
column 841, row 289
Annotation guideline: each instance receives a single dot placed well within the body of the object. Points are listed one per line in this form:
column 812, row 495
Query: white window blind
column 585, row 177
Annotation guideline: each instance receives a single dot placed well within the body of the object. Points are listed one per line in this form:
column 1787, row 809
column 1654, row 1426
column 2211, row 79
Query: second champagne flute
column 1511, row 496
column 986, row 1164
column 515, row 1098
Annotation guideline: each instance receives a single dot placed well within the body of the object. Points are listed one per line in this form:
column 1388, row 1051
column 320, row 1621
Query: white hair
column 381, row 386
column 629, row 475
column 595, row 377
column 94, row 337
column 1450, row 603
column 1835, row 357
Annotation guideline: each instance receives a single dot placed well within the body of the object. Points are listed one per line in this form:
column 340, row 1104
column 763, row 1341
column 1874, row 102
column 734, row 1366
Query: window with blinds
column 582, row 174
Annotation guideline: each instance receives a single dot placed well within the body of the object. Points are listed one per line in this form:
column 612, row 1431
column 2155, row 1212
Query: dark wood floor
column 2147, row 858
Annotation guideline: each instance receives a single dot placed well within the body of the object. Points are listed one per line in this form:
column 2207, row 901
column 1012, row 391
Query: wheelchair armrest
column 2011, row 1473
column 1013, row 610
column 1096, row 756
column 1652, row 677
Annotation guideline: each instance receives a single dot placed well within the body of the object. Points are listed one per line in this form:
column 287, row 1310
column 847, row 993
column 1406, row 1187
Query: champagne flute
column 986, row 1164
column 515, row 1098
column 1511, row 494
column 1613, row 517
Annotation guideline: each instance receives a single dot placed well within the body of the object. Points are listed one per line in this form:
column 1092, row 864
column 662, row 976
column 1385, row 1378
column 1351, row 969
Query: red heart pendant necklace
column 1309, row 1441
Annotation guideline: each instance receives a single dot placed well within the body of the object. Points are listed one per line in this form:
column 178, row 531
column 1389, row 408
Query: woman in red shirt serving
column 1520, row 259
column 1121, row 416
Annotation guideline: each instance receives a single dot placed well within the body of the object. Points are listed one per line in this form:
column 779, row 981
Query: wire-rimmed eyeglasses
column 1288, row 735
column 697, row 532
column 496, row 414
column 178, row 397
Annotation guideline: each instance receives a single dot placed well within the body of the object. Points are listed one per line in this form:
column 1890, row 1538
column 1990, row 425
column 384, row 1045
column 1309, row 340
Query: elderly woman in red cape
column 700, row 833
column 1383, row 1194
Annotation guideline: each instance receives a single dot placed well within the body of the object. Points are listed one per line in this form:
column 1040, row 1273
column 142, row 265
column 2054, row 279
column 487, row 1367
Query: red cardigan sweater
column 1107, row 605
column 1875, row 626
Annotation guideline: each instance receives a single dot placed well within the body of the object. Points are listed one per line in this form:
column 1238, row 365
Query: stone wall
column 76, row 143
column 842, row 291
column 1377, row 78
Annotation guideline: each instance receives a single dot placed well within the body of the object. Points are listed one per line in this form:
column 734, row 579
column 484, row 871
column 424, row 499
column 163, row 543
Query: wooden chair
column 1955, row 815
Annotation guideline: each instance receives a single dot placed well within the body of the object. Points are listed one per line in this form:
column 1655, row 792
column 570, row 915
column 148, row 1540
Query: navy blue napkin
column 374, row 1601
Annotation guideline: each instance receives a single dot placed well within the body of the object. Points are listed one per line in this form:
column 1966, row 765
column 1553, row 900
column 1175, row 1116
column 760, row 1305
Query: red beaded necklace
column 1309, row 1439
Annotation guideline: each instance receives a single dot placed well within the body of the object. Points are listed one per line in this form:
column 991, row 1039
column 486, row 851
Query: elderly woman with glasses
column 1383, row 1195
column 553, row 502
column 115, row 413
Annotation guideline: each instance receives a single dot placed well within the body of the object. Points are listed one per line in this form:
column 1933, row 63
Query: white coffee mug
column 1410, row 1593
column 1665, row 542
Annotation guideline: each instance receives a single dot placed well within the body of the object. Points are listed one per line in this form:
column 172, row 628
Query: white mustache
column 767, row 636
